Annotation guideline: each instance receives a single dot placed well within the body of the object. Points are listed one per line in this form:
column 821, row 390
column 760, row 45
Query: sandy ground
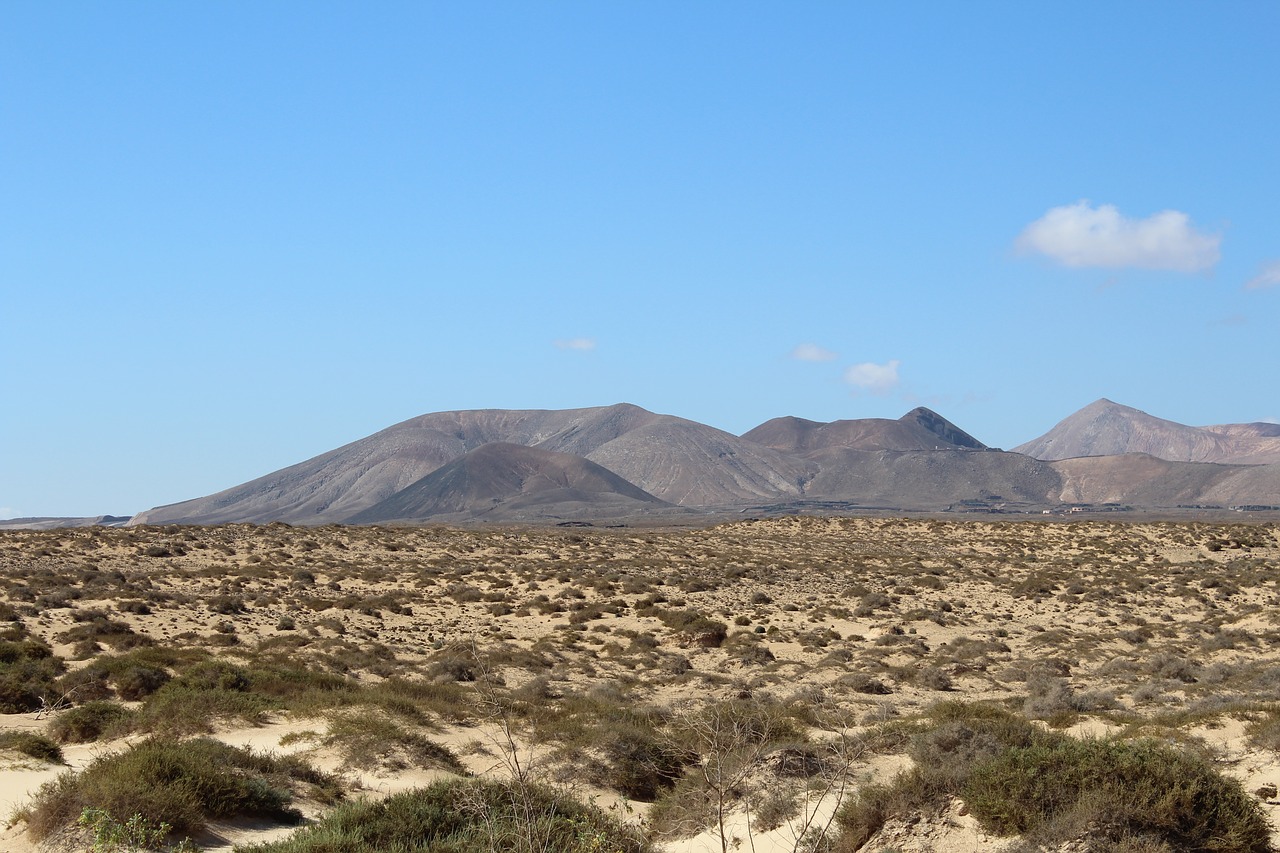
column 878, row 619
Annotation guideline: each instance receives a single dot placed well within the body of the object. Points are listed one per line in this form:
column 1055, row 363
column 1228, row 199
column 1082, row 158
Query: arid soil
column 530, row 650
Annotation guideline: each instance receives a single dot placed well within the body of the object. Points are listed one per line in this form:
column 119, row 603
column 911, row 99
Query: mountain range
column 622, row 461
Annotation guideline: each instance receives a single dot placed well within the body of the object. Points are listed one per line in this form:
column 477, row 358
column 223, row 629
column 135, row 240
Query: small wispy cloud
column 9, row 512
column 1078, row 235
column 873, row 378
column 1232, row 321
column 578, row 344
column 1268, row 276
column 812, row 352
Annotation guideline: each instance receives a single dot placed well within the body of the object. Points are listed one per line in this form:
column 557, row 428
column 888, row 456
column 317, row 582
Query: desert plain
column 763, row 684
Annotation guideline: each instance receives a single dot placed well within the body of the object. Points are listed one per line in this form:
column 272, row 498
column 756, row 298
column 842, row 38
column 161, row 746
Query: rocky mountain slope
column 931, row 480
column 919, row 429
column 1104, row 428
column 622, row 460
column 673, row 459
column 503, row 481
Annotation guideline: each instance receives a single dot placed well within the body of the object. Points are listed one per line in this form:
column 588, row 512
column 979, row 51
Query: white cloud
column 1268, row 277
column 9, row 512
column 579, row 344
column 1077, row 235
column 812, row 352
column 876, row 378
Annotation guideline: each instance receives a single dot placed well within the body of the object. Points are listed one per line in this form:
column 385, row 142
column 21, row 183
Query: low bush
column 693, row 628
column 371, row 742
column 738, row 722
column 180, row 783
column 1265, row 733
column 1120, row 787
column 32, row 745
column 860, row 682
column 1058, row 702
column 28, row 672
column 1016, row 778
column 464, row 816
column 108, row 835
column 210, row 690
column 100, row 628
column 132, row 676
column 90, row 722
column 640, row 764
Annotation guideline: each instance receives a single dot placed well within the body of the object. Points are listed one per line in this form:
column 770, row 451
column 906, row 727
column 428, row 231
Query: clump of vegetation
column 90, row 722
column 180, row 783
column 640, row 764
column 464, row 816
column 372, row 742
column 1050, row 787
column 188, row 704
column 728, row 742
column 28, row 671
column 693, row 628
column 1121, row 787
column 94, row 627
column 33, row 745
column 108, row 835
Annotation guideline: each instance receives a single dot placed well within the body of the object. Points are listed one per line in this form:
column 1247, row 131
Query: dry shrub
column 181, row 783
column 1016, row 778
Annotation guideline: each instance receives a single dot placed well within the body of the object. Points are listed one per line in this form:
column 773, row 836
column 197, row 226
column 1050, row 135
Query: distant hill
column 691, row 464
column 50, row 523
column 1139, row 479
column 336, row 485
column 512, row 482
column 676, row 460
column 1104, row 428
column 931, row 479
column 919, row 429
column 623, row 461
column 1254, row 430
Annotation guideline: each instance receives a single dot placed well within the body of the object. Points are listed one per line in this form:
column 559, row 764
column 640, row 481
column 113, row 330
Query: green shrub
column 33, row 745
column 28, row 672
column 209, row 690
column 1265, row 733
column 138, row 682
column 89, row 722
column 640, row 764
column 464, row 816
column 133, row 675
column 913, row 792
column 694, row 628
column 372, row 742
column 180, row 783
column 1120, row 786
column 1016, row 778
column 214, row 675
column 99, row 628
column 109, row 835
column 739, row 722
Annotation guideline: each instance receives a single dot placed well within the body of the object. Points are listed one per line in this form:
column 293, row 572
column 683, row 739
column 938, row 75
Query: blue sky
column 236, row 235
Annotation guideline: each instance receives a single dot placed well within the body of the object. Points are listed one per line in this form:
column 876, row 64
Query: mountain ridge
column 508, row 481
column 625, row 459
column 1107, row 428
